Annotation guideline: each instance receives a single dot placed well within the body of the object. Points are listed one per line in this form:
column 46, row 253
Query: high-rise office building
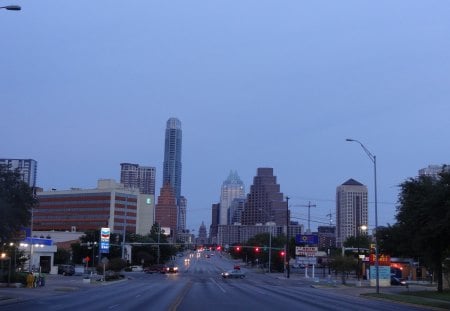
column 232, row 188
column 236, row 209
column 138, row 177
column 26, row 167
column 172, row 156
column 265, row 202
column 351, row 210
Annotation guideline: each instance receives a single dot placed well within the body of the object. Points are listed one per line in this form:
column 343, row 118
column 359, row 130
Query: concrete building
column 202, row 238
column 138, row 177
column 232, row 188
column 351, row 210
column 109, row 205
column 265, row 202
column 26, row 167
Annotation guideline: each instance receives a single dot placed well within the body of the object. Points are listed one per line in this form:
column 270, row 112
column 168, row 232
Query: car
column 397, row 281
column 236, row 274
column 172, row 269
column 155, row 269
column 136, row 268
column 66, row 269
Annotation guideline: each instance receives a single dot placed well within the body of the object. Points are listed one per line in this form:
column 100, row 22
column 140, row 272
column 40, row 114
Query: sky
column 87, row 85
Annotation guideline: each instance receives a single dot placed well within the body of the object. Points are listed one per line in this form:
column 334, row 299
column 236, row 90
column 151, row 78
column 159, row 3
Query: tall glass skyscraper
column 172, row 156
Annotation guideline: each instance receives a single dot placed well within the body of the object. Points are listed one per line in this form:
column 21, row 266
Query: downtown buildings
column 263, row 210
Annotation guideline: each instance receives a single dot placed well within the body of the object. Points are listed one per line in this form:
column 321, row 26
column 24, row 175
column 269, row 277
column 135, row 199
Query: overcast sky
column 86, row 85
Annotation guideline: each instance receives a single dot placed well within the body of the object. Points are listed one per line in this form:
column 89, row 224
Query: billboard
column 105, row 233
column 308, row 239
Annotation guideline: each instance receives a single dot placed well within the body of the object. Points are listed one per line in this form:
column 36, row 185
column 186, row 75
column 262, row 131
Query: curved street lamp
column 373, row 158
column 11, row 7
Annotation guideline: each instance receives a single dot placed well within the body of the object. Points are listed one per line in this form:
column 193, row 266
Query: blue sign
column 104, row 240
column 308, row 239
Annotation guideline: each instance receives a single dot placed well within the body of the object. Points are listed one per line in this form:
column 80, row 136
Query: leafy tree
column 343, row 265
column 423, row 219
column 62, row 256
column 16, row 201
column 361, row 241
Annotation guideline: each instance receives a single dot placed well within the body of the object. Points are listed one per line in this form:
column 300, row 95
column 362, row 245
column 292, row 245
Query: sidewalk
column 54, row 285
column 353, row 286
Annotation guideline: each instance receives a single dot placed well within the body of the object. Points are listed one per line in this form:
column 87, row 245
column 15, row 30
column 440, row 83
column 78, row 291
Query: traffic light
column 238, row 248
column 257, row 249
column 282, row 253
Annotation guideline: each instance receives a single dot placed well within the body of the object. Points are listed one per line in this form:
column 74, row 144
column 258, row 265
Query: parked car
column 136, row 268
column 237, row 274
column 66, row 269
column 397, row 281
column 155, row 269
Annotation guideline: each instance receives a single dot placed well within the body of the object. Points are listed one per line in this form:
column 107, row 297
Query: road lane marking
column 174, row 306
column 218, row 285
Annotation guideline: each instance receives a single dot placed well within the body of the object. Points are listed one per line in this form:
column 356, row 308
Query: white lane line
column 218, row 285
column 113, row 306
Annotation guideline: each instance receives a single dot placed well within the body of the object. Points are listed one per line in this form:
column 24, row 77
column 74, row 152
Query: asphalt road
column 198, row 286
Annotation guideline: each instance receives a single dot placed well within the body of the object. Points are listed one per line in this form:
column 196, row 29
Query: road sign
column 308, row 239
column 308, row 251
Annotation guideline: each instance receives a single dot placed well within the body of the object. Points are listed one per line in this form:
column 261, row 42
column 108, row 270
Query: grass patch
column 423, row 298
column 445, row 295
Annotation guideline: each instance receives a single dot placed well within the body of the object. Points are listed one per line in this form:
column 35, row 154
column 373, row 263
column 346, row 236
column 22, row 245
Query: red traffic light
column 257, row 249
column 238, row 248
column 282, row 253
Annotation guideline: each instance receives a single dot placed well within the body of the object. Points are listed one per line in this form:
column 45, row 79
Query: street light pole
column 287, row 239
column 373, row 158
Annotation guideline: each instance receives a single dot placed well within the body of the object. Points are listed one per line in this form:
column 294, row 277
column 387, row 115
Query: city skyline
column 256, row 84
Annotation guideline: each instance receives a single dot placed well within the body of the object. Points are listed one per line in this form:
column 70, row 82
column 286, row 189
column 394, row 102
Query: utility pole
column 287, row 238
column 309, row 205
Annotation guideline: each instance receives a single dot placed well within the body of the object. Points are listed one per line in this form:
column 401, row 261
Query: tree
column 423, row 219
column 343, row 265
column 16, row 201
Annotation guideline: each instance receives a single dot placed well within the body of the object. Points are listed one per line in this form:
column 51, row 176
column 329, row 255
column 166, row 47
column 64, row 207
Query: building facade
column 265, row 202
column 139, row 177
column 351, row 210
column 166, row 212
column 26, row 167
column 109, row 205
column 327, row 237
column 232, row 188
